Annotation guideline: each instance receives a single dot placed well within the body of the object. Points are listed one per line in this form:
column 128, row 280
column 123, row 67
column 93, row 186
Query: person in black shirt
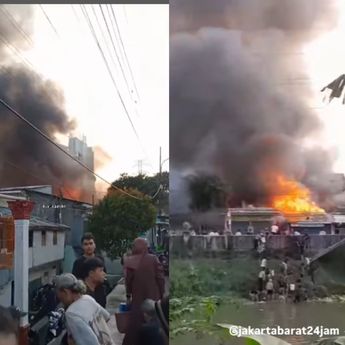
column 89, row 248
column 95, row 275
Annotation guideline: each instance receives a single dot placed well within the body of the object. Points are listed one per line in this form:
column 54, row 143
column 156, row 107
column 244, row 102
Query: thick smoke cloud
column 235, row 109
column 27, row 158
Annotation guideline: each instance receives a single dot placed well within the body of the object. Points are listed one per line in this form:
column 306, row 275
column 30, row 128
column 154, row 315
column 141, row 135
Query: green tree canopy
column 206, row 191
column 149, row 186
column 118, row 219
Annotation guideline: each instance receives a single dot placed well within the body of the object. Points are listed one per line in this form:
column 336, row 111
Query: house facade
column 56, row 224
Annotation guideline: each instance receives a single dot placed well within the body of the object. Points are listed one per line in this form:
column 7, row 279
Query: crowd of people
column 83, row 295
column 284, row 285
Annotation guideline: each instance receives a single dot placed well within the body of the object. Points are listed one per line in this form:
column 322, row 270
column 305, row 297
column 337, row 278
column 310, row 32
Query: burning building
column 235, row 109
column 26, row 158
column 84, row 154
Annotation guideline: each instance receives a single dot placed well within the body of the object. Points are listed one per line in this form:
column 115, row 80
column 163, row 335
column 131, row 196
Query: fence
column 199, row 245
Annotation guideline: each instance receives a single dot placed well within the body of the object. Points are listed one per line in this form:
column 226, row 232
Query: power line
column 119, row 49
column 124, row 50
column 18, row 115
column 93, row 33
column 68, row 154
column 111, row 74
column 104, row 37
column 17, row 52
column 114, row 32
column 30, row 173
column 108, row 68
column 13, row 21
column 113, row 44
column 49, row 21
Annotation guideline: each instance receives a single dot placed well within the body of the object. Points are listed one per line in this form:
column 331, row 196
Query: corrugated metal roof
column 41, row 223
column 339, row 218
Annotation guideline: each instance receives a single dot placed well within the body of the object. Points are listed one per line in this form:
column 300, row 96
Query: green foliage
column 195, row 315
column 118, row 219
column 206, row 192
column 210, row 277
column 149, row 186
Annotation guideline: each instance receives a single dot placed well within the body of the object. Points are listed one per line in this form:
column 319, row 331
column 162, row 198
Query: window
column 31, row 239
column 55, row 238
column 44, row 239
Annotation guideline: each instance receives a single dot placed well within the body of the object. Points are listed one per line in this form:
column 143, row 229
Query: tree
column 148, row 185
column 118, row 219
column 206, row 192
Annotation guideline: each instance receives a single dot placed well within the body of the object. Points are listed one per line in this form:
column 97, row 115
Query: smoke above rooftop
column 235, row 109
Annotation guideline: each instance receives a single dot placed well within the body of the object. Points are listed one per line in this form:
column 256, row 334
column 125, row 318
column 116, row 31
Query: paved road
column 117, row 296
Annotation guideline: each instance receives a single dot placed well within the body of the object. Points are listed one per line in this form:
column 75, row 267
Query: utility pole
column 140, row 167
column 160, row 163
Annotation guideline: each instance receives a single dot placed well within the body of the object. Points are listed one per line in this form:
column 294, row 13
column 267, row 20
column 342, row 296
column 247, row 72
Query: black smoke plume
column 236, row 110
column 25, row 157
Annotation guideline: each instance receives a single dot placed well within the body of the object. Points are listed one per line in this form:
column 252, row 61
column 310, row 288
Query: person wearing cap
column 86, row 320
column 9, row 326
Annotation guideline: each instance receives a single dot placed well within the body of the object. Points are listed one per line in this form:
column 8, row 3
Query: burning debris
column 26, row 158
column 233, row 110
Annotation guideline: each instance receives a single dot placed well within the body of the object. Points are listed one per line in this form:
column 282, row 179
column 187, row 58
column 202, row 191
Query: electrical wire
column 114, row 48
column 108, row 68
column 88, row 20
column 124, row 50
column 49, row 21
column 18, row 115
column 104, row 39
column 14, row 112
column 17, row 52
column 13, row 21
column 30, row 173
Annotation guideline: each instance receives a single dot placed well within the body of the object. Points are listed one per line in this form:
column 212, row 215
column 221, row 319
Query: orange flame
column 292, row 197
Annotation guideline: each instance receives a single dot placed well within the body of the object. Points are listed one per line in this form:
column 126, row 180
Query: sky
column 325, row 61
column 69, row 55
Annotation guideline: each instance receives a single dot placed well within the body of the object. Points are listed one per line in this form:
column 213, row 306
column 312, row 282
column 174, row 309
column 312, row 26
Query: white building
column 46, row 252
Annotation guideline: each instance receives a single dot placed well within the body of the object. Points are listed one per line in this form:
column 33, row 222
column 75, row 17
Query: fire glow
column 292, row 197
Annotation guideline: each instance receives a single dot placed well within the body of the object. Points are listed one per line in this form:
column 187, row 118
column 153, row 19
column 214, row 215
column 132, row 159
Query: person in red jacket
column 144, row 277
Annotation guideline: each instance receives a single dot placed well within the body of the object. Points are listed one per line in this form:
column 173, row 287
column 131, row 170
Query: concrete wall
column 39, row 255
column 198, row 245
column 45, row 274
column 6, row 277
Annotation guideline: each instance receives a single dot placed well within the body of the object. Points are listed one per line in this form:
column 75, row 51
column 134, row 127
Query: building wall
column 41, row 254
column 6, row 277
column 45, row 274
column 74, row 215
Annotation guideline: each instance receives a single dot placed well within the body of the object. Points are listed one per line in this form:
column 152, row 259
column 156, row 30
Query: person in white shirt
column 86, row 320
column 263, row 264
column 274, row 229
